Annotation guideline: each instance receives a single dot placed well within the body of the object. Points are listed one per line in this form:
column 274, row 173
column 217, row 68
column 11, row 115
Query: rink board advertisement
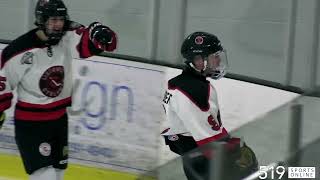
column 115, row 117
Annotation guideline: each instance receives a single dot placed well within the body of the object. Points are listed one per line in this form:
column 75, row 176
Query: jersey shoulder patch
column 22, row 44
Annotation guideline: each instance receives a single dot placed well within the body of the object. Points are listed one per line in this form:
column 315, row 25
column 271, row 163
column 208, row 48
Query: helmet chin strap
column 41, row 34
column 191, row 65
column 50, row 40
column 199, row 71
column 54, row 38
column 205, row 65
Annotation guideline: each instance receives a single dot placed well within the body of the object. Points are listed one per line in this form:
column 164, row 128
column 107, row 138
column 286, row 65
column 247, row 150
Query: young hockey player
column 191, row 105
column 38, row 65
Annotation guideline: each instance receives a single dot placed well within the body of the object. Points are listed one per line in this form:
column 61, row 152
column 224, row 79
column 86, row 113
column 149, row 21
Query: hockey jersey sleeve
column 204, row 125
column 13, row 68
column 91, row 40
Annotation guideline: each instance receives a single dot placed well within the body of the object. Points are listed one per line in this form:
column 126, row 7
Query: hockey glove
column 247, row 160
column 102, row 37
column 2, row 118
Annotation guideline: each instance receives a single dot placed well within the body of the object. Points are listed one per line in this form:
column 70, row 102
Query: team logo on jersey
column 45, row 149
column 173, row 137
column 51, row 81
column 27, row 58
column 198, row 40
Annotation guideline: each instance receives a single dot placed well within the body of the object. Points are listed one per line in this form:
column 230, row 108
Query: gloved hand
column 2, row 118
column 247, row 159
column 102, row 37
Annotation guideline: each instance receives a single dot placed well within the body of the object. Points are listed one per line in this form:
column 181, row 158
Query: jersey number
column 2, row 83
column 166, row 97
column 214, row 125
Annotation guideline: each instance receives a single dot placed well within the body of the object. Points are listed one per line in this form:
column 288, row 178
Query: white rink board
column 119, row 111
column 115, row 120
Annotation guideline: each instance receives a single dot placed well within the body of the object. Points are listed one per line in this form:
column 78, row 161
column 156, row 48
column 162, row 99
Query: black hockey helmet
column 200, row 43
column 49, row 8
column 208, row 46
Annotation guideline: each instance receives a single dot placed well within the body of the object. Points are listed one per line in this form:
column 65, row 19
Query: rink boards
column 116, row 115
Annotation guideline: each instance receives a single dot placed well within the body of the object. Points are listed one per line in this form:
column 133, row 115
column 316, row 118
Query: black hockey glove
column 2, row 118
column 102, row 37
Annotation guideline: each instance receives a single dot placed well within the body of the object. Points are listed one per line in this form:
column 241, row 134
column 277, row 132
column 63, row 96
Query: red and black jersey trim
column 224, row 133
column 194, row 87
column 20, row 45
column 5, row 101
column 41, row 112
column 164, row 131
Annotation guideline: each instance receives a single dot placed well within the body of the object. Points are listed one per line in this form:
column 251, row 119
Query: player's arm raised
column 94, row 39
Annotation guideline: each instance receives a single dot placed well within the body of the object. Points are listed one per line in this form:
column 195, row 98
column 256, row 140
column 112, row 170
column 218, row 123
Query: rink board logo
column 51, row 81
column 45, row 149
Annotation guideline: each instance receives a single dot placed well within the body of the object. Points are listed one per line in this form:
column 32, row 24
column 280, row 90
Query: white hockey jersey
column 191, row 106
column 41, row 74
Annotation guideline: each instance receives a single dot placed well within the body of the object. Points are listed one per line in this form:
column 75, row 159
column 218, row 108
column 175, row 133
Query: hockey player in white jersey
column 190, row 102
column 38, row 65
